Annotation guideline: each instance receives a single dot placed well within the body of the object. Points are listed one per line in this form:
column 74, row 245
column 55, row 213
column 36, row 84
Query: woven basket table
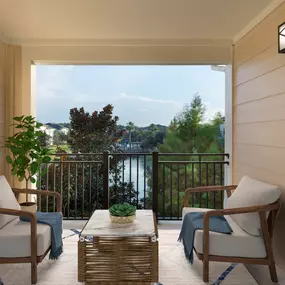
column 121, row 254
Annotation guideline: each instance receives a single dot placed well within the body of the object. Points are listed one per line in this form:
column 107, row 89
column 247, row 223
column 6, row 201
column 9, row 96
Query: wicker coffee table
column 110, row 254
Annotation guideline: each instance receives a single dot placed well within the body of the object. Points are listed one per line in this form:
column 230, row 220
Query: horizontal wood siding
column 259, row 112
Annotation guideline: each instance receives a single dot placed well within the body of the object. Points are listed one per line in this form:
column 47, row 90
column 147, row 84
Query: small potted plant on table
column 122, row 213
column 27, row 153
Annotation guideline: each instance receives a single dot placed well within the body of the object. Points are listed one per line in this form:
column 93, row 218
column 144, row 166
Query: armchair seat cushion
column 15, row 239
column 238, row 244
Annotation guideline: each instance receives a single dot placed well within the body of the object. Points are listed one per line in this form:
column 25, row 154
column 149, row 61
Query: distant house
column 64, row 130
column 49, row 131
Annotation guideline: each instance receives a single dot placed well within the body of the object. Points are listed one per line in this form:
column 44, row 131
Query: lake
column 134, row 171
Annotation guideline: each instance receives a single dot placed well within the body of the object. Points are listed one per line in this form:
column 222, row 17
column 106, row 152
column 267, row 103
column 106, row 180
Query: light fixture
column 281, row 38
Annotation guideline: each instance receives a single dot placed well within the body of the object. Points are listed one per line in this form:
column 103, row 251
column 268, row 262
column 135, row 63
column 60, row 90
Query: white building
column 49, row 131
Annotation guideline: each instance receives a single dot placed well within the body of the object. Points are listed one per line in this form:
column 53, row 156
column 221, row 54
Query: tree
column 130, row 127
column 153, row 137
column 44, row 140
column 59, row 138
column 96, row 132
column 189, row 120
column 90, row 135
column 189, row 133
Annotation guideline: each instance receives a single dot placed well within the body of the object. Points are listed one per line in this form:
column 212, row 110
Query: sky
column 141, row 94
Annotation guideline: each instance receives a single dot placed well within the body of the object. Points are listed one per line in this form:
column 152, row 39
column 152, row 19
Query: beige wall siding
column 2, row 104
column 259, row 111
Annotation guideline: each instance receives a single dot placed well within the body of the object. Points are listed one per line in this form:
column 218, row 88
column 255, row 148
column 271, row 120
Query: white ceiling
column 126, row 19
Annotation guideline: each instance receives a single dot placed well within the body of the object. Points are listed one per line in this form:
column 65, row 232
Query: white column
column 228, row 122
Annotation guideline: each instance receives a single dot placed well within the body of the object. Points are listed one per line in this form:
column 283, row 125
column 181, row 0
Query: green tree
column 44, row 140
column 90, row 134
column 93, row 133
column 59, row 138
column 189, row 133
column 153, row 137
column 130, row 127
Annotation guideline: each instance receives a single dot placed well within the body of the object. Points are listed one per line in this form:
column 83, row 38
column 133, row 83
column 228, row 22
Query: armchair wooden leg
column 206, row 270
column 34, row 272
column 272, row 270
column 268, row 246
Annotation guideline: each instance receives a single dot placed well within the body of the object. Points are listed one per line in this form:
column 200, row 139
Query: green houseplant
column 122, row 213
column 26, row 151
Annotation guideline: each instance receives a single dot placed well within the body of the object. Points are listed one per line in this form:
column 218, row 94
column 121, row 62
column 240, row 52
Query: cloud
column 147, row 99
column 52, row 80
column 211, row 111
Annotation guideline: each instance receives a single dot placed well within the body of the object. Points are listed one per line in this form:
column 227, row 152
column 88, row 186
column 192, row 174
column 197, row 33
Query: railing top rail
column 144, row 153
column 75, row 154
column 192, row 162
column 131, row 153
column 193, row 154
column 75, row 161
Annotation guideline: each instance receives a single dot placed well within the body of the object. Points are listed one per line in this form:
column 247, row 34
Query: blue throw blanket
column 54, row 220
column 194, row 221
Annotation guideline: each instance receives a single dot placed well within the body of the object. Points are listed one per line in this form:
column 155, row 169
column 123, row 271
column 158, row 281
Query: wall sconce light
column 281, row 38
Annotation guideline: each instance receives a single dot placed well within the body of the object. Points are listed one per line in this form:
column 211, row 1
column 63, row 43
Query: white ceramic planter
column 29, row 207
column 122, row 220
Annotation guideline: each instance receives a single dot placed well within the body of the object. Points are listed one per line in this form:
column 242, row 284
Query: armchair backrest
column 251, row 192
column 7, row 200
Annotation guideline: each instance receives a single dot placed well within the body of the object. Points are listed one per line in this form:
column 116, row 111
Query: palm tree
column 153, row 128
column 130, row 127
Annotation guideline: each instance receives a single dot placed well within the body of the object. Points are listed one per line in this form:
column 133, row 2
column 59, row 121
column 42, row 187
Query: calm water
column 134, row 171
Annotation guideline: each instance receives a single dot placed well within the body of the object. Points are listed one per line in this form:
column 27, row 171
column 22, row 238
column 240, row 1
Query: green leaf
column 21, row 160
column 9, row 159
column 18, row 119
column 46, row 159
column 34, row 168
column 33, row 180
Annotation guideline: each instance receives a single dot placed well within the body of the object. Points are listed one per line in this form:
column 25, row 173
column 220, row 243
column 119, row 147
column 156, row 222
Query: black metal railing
column 179, row 171
column 154, row 180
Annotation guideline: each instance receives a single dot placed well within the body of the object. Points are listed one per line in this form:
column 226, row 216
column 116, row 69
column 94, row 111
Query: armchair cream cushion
column 7, row 200
column 238, row 244
column 15, row 239
column 251, row 192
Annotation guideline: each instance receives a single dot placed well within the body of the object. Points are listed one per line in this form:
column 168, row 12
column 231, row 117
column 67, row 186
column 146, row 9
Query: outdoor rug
column 174, row 268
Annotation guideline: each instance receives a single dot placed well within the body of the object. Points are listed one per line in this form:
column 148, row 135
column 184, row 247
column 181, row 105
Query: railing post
column 105, row 179
column 155, row 182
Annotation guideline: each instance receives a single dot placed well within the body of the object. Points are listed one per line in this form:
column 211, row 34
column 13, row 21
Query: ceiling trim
column 122, row 42
column 256, row 20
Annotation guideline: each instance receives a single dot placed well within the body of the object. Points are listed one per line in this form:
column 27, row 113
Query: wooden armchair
column 24, row 242
column 240, row 247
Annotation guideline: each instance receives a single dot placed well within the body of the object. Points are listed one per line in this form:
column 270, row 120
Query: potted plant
column 122, row 213
column 27, row 153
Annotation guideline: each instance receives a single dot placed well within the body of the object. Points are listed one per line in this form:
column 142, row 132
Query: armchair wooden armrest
column 228, row 188
column 33, row 220
column 266, row 227
column 41, row 193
